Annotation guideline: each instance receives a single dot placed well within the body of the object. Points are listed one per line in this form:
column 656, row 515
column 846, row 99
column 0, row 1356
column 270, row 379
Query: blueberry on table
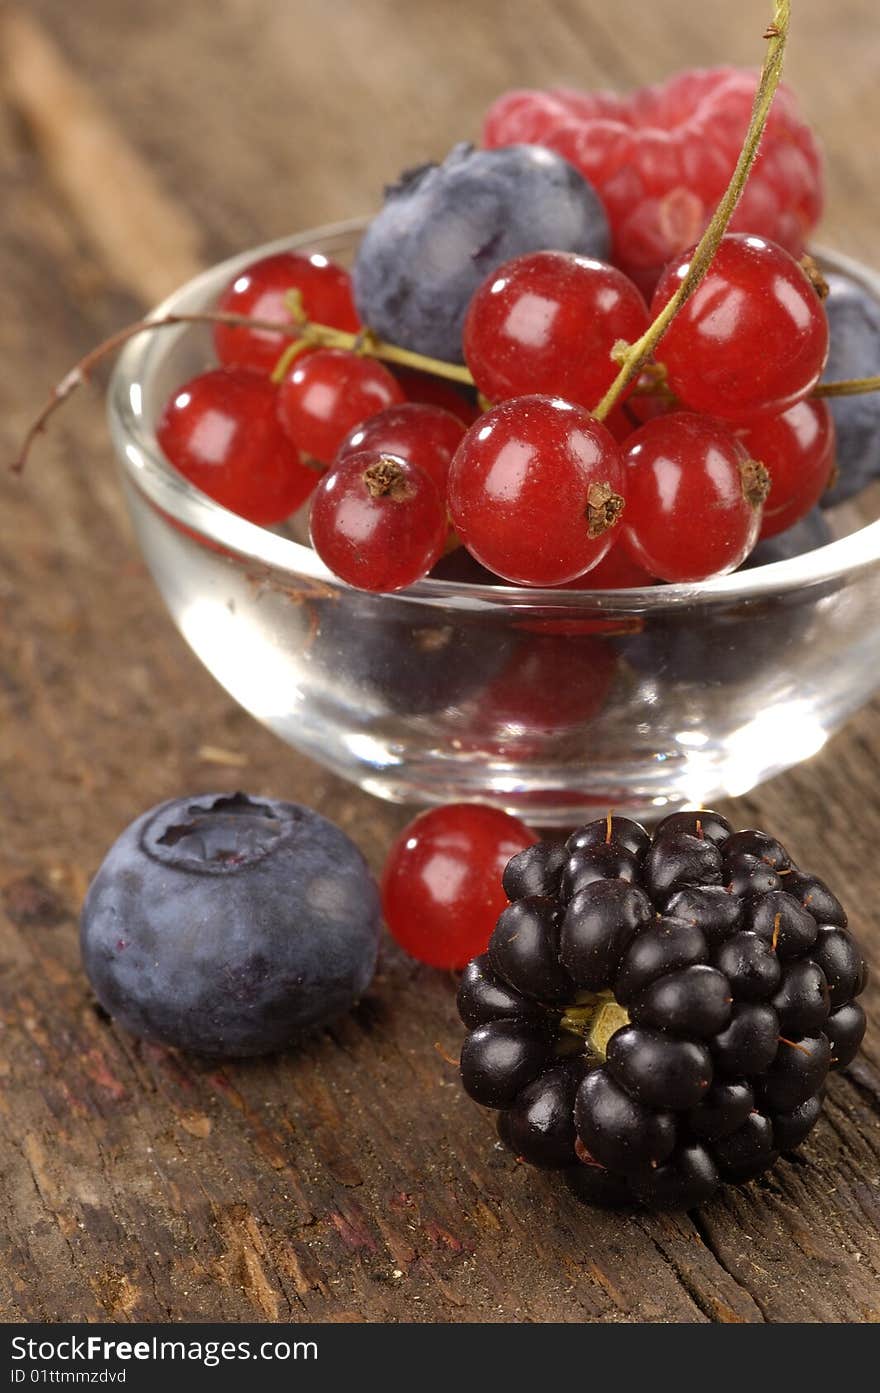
column 445, row 227
column 667, row 1023
column 227, row 925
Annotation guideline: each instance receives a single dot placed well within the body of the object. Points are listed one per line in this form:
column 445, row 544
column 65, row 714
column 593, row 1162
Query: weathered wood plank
column 139, row 1185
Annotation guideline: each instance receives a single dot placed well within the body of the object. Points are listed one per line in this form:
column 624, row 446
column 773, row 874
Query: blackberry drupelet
column 657, row 1015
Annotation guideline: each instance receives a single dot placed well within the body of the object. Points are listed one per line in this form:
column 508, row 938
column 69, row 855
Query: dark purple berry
column 845, row 1030
column 790, row 1128
column 724, row 1108
column 692, row 1001
column 750, row 966
column 598, row 925
column 712, row 826
column 687, row 1179
column 658, row 1070
column 227, row 925
column 801, row 1003
column 540, row 1125
column 604, row 861
column 663, row 947
column 616, row 1130
column 838, row 955
column 748, row 876
column 534, row 871
column 678, row 859
column 483, row 997
column 712, row 907
column 782, row 921
column 748, row 1151
column 815, row 896
column 798, row 1070
column 524, row 950
column 754, row 843
column 632, row 836
column 498, row 1060
column 748, row 1045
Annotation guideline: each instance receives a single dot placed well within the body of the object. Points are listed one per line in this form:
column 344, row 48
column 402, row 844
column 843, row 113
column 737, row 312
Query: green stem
column 849, row 387
column 323, row 336
column 637, row 353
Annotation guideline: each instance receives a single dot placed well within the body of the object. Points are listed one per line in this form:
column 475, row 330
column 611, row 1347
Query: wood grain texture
column 351, row 1180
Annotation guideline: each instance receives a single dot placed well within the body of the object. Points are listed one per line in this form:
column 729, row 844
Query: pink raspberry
column 662, row 157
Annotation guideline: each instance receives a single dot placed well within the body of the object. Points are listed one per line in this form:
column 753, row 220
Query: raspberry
column 656, row 1015
column 661, row 159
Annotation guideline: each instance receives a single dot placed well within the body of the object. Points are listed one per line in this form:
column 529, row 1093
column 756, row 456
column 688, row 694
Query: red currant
column 424, row 387
column 259, row 291
column 441, row 888
column 797, row 450
column 221, row 430
column 753, row 337
column 535, row 490
column 378, row 522
column 548, row 322
column 425, row 435
column 617, row 570
column 693, row 498
column 328, row 393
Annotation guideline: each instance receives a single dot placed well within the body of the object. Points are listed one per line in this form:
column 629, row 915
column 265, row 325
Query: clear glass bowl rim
column 151, row 473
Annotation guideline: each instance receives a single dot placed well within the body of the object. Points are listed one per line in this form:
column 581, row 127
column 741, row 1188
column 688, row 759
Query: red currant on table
column 547, row 322
column 441, row 887
column 693, row 498
column 328, row 393
column 753, row 337
column 536, row 490
column 221, row 431
column 797, row 450
column 378, row 522
column 259, row 290
column 425, row 435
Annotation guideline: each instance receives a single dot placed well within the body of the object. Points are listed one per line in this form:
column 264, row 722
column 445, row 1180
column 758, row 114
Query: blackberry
column 657, row 1015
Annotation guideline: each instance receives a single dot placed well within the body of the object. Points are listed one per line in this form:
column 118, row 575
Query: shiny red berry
column 378, row 522
column 441, row 888
column 797, row 450
column 694, row 498
column 618, row 570
column 259, row 290
column 425, row 435
column 328, row 393
column 536, row 490
column 548, row 323
column 221, row 430
column 752, row 338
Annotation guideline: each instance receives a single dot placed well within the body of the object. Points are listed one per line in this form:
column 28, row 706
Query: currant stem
column 638, row 352
column 848, row 387
column 303, row 336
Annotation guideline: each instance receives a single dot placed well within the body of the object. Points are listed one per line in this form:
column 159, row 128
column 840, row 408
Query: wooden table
column 352, row 1180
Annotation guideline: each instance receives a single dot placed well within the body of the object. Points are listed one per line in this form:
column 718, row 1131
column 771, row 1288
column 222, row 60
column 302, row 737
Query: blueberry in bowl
column 226, row 925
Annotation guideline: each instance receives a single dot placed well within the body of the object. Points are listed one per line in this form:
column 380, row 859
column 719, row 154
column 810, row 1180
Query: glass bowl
column 556, row 705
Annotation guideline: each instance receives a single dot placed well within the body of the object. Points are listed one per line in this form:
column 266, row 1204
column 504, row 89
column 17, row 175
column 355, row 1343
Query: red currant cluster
column 715, row 445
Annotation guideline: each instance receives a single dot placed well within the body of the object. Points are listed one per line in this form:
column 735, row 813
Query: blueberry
column 444, row 228
column 854, row 320
column 226, row 925
column 808, row 534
